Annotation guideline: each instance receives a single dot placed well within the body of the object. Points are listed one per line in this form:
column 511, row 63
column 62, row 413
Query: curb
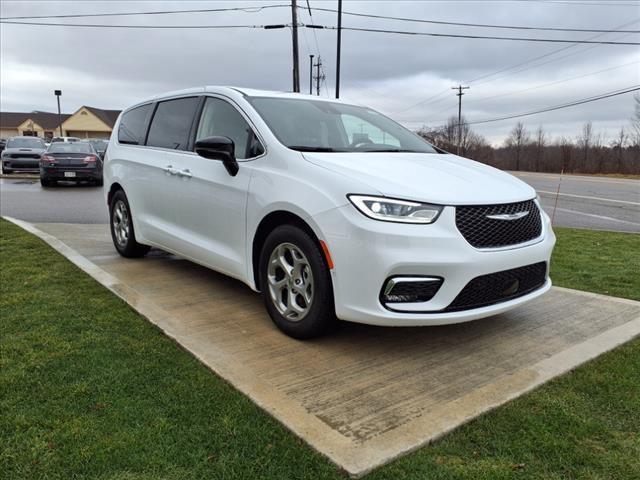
column 20, row 176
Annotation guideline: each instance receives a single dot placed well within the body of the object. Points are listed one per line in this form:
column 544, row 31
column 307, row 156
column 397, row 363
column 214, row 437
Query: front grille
column 500, row 287
column 25, row 155
column 483, row 232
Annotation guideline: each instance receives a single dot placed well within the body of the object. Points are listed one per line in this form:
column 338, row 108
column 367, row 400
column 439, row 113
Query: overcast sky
column 113, row 68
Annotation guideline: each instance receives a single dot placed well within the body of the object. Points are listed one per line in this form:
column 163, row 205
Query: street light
column 57, row 93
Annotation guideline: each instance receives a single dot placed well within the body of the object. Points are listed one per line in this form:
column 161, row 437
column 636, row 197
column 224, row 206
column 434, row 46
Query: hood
column 443, row 179
column 9, row 151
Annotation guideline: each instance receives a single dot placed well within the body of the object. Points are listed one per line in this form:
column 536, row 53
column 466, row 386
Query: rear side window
column 171, row 123
column 131, row 129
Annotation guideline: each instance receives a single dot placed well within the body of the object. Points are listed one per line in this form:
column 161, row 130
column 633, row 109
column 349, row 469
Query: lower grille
column 495, row 226
column 499, row 287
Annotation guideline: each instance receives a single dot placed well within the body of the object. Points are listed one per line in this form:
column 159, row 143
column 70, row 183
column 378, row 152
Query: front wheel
column 122, row 232
column 296, row 283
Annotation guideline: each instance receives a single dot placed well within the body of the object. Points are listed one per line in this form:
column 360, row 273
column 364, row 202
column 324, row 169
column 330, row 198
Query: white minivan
column 331, row 210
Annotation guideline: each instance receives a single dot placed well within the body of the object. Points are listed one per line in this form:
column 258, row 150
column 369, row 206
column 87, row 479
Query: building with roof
column 86, row 122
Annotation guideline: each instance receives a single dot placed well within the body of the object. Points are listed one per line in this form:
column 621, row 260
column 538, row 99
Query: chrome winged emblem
column 509, row 216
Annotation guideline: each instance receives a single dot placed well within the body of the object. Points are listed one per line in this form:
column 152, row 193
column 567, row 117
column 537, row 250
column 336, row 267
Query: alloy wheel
column 121, row 223
column 290, row 281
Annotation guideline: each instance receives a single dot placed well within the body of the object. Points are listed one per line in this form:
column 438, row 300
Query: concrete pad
column 363, row 395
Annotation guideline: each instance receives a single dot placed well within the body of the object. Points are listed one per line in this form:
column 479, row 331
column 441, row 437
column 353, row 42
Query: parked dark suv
column 22, row 154
column 70, row 161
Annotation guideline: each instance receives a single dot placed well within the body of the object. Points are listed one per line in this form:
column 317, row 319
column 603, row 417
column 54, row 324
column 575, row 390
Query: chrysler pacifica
column 330, row 210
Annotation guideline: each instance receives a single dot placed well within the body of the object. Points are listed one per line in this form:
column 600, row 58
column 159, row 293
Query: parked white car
column 331, row 210
column 64, row 139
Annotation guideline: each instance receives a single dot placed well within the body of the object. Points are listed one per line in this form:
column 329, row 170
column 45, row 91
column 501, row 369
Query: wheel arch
column 112, row 190
column 270, row 222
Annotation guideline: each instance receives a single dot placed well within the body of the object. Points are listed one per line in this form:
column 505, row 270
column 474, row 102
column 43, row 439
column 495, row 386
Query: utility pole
column 57, row 93
column 459, row 94
column 339, row 45
column 311, row 74
column 294, row 33
column 319, row 75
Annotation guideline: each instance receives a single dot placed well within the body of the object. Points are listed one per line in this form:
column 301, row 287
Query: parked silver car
column 22, row 154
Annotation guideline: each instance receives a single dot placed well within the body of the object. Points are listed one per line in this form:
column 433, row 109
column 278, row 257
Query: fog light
column 410, row 289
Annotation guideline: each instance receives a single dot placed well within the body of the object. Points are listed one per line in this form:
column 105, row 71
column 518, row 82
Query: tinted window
column 171, row 123
column 70, row 147
column 25, row 142
column 219, row 118
column 131, row 129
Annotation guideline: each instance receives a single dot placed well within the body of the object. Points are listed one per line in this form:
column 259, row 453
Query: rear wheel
column 122, row 232
column 296, row 283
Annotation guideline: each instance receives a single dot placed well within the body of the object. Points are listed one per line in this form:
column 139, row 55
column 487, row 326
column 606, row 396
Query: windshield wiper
column 305, row 148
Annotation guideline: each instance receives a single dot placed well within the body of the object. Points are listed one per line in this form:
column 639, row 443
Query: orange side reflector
column 327, row 255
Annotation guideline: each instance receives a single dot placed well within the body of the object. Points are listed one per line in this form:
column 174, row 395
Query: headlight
column 392, row 210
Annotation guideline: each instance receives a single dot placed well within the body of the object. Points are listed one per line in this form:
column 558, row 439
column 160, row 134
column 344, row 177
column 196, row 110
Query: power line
column 157, row 27
column 478, row 25
column 476, row 37
column 258, row 8
column 540, row 57
column 561, row 106
column 483, row 99
column 439, row 96
column 248, row 9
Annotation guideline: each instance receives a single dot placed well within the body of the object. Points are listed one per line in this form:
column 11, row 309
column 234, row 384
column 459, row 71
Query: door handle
column 170, row 170
column 185, row 173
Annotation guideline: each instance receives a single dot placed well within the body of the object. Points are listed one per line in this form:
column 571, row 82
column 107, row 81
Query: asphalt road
column 587, row 202
column 68, row 203
column 601, row 203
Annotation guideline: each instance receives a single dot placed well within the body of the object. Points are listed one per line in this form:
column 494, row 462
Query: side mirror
column 219, row 148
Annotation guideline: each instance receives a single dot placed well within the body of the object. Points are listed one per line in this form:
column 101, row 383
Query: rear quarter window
column 132, row 125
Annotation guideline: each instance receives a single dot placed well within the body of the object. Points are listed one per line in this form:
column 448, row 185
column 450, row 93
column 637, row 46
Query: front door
column 211, row 204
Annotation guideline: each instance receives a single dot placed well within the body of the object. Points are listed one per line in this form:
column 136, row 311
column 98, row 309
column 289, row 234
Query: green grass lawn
column 89, row 389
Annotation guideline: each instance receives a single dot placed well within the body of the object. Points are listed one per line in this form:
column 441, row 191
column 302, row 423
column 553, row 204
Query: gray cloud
column 112, row 68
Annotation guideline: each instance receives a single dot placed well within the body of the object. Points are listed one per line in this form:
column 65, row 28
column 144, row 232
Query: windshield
column 311, row 125
column 25, row 142
column 74, row 147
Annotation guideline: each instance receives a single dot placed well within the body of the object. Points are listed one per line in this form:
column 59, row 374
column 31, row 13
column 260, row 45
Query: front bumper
column 11, row 165
column 366, row 252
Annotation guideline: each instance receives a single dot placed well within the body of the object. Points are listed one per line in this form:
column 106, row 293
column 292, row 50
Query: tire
column 45, row 182
column 310, row 312
column 99, row 182
column 121, row 226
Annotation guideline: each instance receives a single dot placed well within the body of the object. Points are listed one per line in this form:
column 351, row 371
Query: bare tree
column 618, row 144
column 472, row 144
column 539, row 144
column 634, row 135
column 585, row 141
column 517, row 140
